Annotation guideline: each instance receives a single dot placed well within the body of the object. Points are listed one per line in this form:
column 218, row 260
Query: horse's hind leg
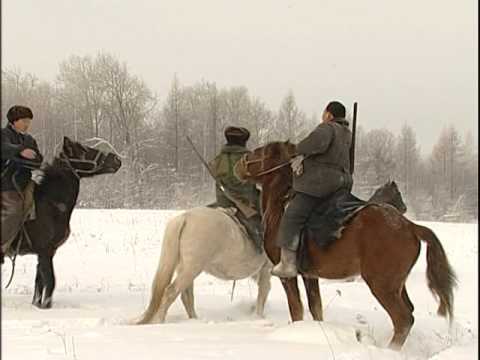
column 263, row 282
column 314, row 298
column 392, row 300
column 189, row 302
column 182, row 282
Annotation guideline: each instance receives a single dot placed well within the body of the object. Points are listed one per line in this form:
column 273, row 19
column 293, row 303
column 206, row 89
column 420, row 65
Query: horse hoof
column 47, row 304
column 395, row 347
column 36, row 302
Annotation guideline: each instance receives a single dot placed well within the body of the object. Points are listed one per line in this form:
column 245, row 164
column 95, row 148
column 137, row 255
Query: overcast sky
column 409, row 61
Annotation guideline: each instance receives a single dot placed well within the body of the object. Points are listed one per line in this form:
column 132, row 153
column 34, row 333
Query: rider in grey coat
column 320, row 170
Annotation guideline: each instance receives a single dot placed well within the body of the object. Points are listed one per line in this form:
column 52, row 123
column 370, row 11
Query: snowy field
column 104, row 274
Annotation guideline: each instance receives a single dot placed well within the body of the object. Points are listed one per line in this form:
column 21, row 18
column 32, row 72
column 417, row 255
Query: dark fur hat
column 237, row 135
column 17, row 112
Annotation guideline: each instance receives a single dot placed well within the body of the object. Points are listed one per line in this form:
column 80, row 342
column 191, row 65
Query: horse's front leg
column 45, row 265
column 263, row 282
column 295, row 305
column 314, row 298
column 39, row 286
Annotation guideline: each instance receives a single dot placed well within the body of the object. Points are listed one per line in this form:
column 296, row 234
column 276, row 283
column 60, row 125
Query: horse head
column 87, row 161
column 390, row 194
column 264, row 160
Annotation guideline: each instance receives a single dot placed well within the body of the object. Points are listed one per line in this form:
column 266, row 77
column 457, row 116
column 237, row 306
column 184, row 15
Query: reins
column 245, row 163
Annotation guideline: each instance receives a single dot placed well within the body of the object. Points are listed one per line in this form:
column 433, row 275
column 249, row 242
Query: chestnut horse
column 378, row 243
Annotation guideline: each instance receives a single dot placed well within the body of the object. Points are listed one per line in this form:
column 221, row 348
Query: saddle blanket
column 327, row 221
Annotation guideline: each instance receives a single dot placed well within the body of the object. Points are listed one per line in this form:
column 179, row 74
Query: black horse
column 55, row 199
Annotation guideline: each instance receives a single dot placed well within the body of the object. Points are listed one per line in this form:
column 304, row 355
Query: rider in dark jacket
column 320, row 170
column 20, row 154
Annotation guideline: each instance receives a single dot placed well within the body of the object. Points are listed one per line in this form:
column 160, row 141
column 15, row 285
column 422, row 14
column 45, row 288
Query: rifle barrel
column 352, row 147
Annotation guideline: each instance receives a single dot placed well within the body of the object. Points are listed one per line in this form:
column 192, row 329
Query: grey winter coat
column 327, row 163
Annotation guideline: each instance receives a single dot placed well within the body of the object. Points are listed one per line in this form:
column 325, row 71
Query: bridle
column 245, row 163
column 96, row 163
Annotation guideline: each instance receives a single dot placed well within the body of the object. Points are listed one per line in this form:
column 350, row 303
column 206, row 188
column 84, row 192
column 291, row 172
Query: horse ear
column 67, row 145
column 394, row 183
column 67, row 141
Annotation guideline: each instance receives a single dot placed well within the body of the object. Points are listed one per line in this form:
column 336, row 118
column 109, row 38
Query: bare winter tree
column 291, row 122
column 380, row 153
column 97, row 97
column 84, row 92
column 172, row 115
column 407, row 157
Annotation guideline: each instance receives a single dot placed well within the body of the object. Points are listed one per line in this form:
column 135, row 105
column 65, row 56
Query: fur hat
column 17, row 112
column 237, row 135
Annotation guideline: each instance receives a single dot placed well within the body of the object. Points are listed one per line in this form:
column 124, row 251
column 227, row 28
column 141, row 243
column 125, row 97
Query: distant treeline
column 99, row 97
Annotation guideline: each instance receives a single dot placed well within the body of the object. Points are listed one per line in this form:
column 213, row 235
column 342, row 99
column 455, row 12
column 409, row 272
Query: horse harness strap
column 75, row 171
column 246, row 162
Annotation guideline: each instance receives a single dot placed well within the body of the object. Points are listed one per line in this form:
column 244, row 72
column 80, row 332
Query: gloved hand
column 297, row 164
column 37, row 176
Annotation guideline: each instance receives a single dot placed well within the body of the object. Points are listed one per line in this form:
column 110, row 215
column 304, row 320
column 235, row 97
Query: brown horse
column 378, row 243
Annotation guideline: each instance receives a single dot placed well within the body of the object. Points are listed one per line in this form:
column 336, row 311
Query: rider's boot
column 287, row 267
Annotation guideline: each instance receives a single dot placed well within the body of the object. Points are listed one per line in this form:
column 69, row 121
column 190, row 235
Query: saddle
column 232, row 213
column 245, row 225
column 326, row 223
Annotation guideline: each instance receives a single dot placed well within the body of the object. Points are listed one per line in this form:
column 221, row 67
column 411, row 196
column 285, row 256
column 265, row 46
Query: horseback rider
column 222, row 167
column 20, row 154
column 321, row 170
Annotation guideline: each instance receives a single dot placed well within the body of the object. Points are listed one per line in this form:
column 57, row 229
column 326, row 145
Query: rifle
column 352, row 146
column 245, row 209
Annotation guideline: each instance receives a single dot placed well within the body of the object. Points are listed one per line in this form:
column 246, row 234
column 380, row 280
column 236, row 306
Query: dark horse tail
column 440, row 275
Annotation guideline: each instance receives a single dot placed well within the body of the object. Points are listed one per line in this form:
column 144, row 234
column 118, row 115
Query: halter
column 96, row 165
column 245, row 163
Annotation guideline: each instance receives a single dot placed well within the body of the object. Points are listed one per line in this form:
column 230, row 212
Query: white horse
column 204, row 239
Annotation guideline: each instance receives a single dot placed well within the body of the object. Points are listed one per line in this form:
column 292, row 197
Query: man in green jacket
column 245, row 193
column 321, row 171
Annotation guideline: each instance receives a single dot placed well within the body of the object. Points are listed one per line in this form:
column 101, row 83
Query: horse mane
column 278, row 185
column 53, row 181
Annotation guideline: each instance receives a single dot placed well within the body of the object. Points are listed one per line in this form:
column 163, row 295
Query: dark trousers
column 298, row 212
column 15, row 209
column 12, row 218
column 294, row 219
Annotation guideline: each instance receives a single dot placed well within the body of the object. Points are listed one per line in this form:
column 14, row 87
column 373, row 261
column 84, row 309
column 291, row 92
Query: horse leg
column 39, row 286
column 263, row 282
column 295, row 305
column 390, row 297
column 48, row 278
column 189, row 302
column 182, row 282
column 406, row 299
column 314, row 298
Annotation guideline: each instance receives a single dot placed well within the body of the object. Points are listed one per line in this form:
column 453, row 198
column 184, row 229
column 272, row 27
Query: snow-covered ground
column 104, row 273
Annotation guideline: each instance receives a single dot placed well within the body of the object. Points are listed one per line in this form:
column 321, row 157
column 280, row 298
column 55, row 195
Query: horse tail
column 440, row 275
column 166, row 266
